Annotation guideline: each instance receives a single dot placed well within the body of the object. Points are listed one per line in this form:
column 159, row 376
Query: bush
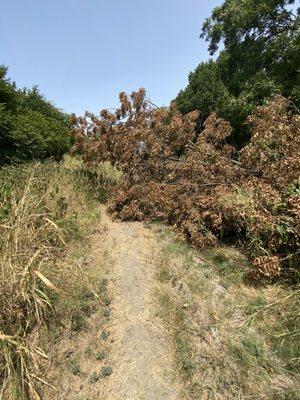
column 31, row 127
column 35, row 136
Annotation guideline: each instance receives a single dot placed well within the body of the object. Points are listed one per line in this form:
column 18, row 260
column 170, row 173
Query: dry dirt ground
column 135, row 359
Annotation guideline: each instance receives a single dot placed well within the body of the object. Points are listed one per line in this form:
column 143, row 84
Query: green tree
column 30, row 126
column 258, row 37
column 205, row 91
column 8, row 93
column 34, row 100
column 259, row 43
column 35, row 136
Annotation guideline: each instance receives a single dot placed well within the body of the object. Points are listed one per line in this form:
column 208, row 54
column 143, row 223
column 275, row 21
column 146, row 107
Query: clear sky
column 82, row 53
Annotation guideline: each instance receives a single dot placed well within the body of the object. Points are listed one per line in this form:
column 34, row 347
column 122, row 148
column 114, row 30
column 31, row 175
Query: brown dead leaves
column 192, row 181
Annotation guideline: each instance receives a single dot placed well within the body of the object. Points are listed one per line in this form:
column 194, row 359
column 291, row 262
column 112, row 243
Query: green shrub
column 35, row 136
column 31, row 127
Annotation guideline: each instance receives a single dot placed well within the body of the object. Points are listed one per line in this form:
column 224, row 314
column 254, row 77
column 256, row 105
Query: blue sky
column 82, row 53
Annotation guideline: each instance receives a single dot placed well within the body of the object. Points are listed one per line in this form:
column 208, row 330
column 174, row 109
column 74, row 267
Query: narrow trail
column 140, row 355
column 137, row 351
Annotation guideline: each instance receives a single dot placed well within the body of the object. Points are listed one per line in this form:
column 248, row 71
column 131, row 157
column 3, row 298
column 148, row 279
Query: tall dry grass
column 232, row 339
column 40, row 215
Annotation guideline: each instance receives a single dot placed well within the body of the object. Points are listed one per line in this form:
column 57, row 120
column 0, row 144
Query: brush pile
column 199, row 183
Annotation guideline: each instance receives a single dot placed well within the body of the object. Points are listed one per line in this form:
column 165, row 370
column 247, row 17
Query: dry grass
column 44, row 208
column 232, row 340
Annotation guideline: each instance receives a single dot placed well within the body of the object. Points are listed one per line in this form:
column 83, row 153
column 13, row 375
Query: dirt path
column 132, row 338
column 140, row 356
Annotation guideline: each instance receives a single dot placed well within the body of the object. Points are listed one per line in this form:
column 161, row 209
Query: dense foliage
column 30, row 126
column 193, row 183
column 259, row 58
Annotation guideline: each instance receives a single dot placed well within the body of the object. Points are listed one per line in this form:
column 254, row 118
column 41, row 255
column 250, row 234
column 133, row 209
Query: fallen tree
column 199, row 183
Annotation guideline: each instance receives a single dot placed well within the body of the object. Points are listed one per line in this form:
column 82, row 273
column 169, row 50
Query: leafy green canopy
column 31, row 127
column 205, row 92
column 259, row 44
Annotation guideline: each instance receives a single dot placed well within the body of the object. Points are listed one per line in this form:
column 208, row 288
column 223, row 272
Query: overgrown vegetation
column 30, row 126
column 46, row 210
column 220, row 165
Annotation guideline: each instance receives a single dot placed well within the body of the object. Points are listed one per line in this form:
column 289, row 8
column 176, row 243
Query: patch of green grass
column 249, row 352
column 174, row 315
column 254, row 305
column 186, row 364
column 164, row 272
column 179, row 248
column 197, row 284
column 230, row 267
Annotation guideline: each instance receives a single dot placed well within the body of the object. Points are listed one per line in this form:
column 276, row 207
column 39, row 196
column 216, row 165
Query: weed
column 184, row 355
column 106, row 312
column 94, row 377
column 228, row 263
column 75, row 368
column 100, row 355
column 88, row 351
column 106, row 371
column 255, row 304
column 106, row 301
column 104, row 335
